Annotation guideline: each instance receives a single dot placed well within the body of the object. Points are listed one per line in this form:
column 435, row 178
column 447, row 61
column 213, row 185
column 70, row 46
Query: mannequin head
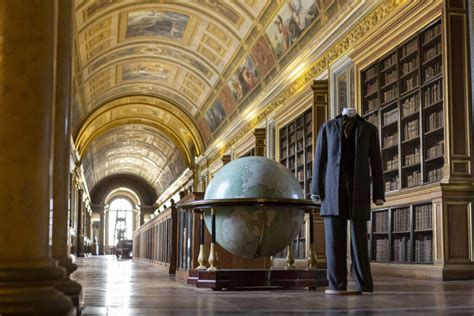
column 351, row 112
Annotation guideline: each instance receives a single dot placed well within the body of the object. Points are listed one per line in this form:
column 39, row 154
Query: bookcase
column 296, row 149
column 402, row 96
column 402, row 234
column 296, row 153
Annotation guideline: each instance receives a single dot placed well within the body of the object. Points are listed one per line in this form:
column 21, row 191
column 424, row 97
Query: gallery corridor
column 123, row 288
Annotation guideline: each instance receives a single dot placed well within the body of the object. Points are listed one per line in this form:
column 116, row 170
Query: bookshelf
column 402, row 96
column 296, row 149
column 296, row 153
column 402, row 234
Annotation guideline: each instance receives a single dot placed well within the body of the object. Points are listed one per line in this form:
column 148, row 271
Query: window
column 342, row 86
column 120, row 221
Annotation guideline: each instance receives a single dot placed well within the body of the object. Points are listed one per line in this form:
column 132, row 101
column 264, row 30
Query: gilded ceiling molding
column 363, row 29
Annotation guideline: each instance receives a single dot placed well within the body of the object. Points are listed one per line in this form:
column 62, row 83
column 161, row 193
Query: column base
column 30, row 291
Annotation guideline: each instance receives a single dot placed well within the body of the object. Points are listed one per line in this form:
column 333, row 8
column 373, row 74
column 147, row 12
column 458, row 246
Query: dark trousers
column 335, row 231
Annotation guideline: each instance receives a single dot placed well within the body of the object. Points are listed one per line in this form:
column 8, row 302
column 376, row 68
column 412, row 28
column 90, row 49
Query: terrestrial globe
column 254, row 231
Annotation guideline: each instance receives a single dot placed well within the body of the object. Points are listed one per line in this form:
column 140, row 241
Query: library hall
column 235, row 157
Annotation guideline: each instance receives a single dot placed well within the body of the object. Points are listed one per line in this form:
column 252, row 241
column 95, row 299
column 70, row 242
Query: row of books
column 390, row 61
column 381, row 221
column 436, row 150
column 401, row 220
column 390, row 77
column 411, row 129
column 411, row 83
column 390, row 140
column 402, row 249
column 413, row 158
column 300, row 175
column 423, row 217
column 432, row 94
column 374, row 119
column 434, row 121
column 409, row 66
column 435, row 174
column 392, row 164
column 431, row 33
column 392, row 184
column 309, row 156
column 390, row 117
column 382, row 250
column 410, row 106
column 369, row 73
column 424, row 250
column 371, row 88
column 432, row 52
column 432, row 71
column 389, row 95
column 414, row 178
column 372, row 104
column 409, row 48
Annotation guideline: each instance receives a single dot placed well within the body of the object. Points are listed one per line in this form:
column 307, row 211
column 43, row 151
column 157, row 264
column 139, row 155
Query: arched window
column 120, row 220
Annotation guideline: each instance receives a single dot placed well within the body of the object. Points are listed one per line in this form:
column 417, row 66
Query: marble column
column 27, row 48
column 80, row 224
column 62, row 149
column 102, row 233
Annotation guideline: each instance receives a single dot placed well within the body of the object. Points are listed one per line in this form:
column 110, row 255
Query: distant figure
column 118, row 251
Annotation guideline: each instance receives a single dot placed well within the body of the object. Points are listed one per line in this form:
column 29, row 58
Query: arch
column 146, row 110
column 143, row 191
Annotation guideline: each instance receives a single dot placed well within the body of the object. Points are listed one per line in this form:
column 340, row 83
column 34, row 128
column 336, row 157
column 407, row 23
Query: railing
column 155, row 242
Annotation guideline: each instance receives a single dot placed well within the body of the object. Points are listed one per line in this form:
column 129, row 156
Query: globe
column 254, row 231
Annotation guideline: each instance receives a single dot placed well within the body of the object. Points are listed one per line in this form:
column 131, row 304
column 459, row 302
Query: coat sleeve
column 319, row 166
column 378, row 191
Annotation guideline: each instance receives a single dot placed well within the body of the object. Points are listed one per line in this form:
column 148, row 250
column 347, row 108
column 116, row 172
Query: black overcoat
column 327, row 162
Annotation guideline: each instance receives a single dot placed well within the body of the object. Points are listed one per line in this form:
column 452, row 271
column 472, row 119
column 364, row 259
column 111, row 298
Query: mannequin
column 347, row 152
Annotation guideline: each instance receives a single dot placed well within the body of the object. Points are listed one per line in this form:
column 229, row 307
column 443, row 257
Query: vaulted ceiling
column 154, row 79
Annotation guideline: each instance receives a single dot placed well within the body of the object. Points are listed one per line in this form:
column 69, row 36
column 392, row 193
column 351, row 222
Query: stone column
column 102, row 233
column 27, row 272
column 80, row 224
column 62, row 149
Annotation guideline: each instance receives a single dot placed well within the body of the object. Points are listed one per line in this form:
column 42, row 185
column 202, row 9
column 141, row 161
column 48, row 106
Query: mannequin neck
column 350, row 112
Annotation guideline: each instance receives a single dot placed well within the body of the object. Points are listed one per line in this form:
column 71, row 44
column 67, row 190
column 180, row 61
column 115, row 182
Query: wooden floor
column 123, row 288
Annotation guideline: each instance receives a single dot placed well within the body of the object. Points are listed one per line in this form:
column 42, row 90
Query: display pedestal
column 235, row 278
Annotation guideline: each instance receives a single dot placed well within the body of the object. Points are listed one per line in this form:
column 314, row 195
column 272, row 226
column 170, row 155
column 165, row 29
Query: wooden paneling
column 458, row 231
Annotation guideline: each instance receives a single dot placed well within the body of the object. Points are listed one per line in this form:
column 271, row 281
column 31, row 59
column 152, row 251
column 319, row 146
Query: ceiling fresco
column 179, row 68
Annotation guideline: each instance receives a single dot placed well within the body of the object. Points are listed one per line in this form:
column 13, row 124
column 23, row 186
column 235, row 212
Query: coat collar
column 359, row 126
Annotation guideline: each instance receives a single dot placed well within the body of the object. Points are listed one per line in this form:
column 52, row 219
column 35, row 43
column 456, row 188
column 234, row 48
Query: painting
column 154, row 23
column 215, row 115
column 145, row 71
column 244, row 79
column 262, row 53
column 204, row 128
column 225, row 98
column 290, row 22
column 96, row 6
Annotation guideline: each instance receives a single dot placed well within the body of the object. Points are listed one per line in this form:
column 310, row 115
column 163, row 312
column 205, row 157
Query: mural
column 215, row 115
column 154, row 23
column 204, row 128
column 225, row 97
column 290, row 22
column 145, row 71
column 151, row 51
column 244, row 79
column 262, row 53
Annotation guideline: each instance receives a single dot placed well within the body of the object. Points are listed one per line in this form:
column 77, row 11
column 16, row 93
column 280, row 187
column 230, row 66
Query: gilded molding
column 336, row 51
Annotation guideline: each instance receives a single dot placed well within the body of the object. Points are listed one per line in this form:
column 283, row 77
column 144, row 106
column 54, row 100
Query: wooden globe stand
column 218, row 279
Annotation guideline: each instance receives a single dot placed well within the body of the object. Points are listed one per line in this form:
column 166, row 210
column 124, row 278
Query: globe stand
column 218, row 279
